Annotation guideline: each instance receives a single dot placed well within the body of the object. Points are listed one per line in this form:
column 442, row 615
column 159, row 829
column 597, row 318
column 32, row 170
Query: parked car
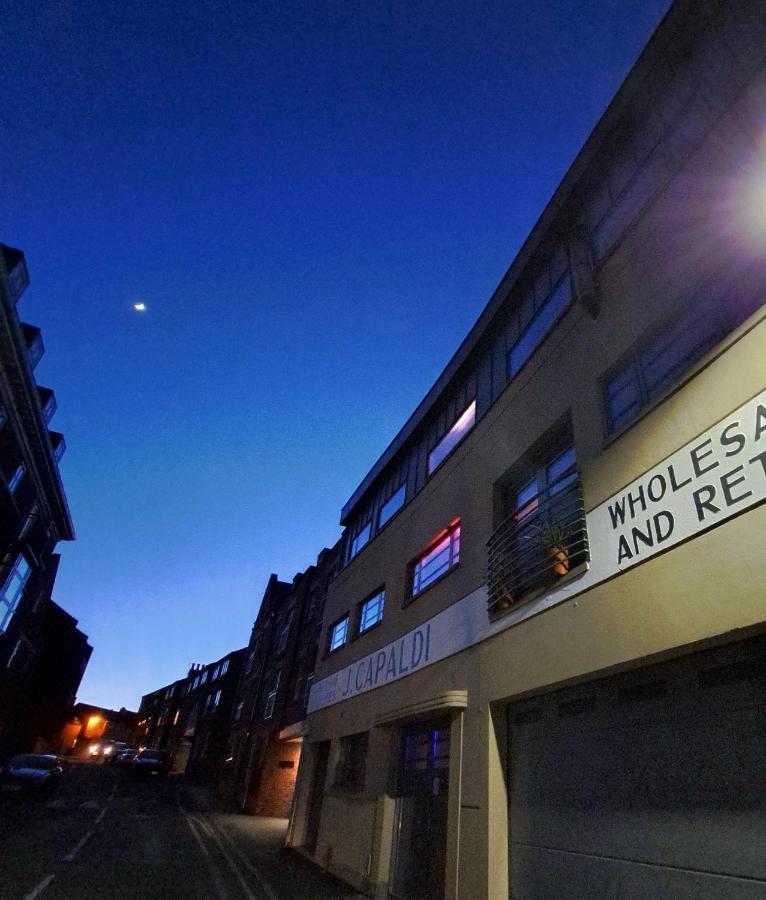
column 123, row 757
column 31, row 773
column 150, row 762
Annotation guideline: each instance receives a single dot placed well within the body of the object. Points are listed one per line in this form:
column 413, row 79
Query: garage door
column 650, row 784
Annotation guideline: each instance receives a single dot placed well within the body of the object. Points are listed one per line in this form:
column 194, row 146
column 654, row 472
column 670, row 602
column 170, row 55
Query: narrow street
column 107, row 835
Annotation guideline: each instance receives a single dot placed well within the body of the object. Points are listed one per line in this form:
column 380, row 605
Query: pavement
column 107, row 835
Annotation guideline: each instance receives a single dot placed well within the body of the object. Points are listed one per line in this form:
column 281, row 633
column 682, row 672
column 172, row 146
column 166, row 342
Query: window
column 13, row 589
column 29, row 520
column 16, row 478
column 283, row 634
column 238, row 711
column 441, row 556
column 656, row 363
column 217, row 698
column 542, row 534
column 203, row 677
column 250, row 661
column 338, row 634
column 544, row 319
column 271, row 698
column 224, row 667
column 359, row 541
column 371, row 611
column 214, row 673
column 352, row 761
column 195, row 683
column 392, row 506
column 453, row 437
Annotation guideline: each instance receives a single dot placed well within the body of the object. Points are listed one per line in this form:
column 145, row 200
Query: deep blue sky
column 315, row 201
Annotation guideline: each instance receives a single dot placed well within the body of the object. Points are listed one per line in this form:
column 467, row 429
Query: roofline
column 661, row 38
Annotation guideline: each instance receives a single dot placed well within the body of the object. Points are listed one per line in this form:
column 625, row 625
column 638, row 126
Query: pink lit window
column 440, row 557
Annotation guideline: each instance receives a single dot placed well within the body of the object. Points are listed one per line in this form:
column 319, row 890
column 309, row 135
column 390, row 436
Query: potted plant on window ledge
column 554, row 540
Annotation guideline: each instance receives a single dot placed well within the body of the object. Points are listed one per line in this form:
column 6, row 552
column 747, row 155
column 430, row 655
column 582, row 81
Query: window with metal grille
column 352, row 761
column 542, row 536
column 442, row 555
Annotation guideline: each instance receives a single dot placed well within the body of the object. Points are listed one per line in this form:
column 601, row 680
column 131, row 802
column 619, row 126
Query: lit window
column 453, row 437
column 13, row 589
column 545, row 318
column 16, row 478
column 392, row 505
column 542, row 535
column 359, row 541
column 371, row 611
column 440, row 557
column 338, row 634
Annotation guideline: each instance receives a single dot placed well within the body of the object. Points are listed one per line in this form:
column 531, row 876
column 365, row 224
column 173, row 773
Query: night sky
column 315, row 201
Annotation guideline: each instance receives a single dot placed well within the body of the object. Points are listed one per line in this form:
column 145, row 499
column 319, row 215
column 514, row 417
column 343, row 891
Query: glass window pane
column 452, row 438
column 338, row 634
column 538, row 327
column 371, row 612
column 392, row 505
column 360, row 540
column 436, row 561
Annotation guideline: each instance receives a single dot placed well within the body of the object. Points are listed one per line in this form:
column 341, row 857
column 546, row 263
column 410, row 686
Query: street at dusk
column 106, row 834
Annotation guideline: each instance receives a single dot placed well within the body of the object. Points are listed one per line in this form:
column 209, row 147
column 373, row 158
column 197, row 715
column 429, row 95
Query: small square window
column 371, row 611
column 338, row 634
column 438, row 559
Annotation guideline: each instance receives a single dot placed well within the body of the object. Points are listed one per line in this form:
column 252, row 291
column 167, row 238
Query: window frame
column 355, row 548
column 402, row 489
column 451, row 532
column 12, row 604
column 465, row 430
column 378, row 595
column 561, row 285
column 345, row 618
column 351, row 765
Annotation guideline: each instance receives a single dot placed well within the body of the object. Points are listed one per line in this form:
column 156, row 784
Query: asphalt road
column 108, row 835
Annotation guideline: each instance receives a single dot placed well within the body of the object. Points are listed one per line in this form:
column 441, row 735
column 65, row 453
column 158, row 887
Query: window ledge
column 574, row 573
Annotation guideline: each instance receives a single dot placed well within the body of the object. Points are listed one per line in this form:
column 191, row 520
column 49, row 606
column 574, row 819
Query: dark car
column 150, row 762
column 123, row 758
column 31, row 773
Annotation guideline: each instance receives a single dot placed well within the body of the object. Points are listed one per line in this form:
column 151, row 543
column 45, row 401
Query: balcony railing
column 535, row 547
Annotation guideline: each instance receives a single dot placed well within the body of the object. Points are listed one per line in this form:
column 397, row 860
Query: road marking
column 36, row 891
column 78, row 846
column 265, row 886
column 212, row 832
column 214, row 871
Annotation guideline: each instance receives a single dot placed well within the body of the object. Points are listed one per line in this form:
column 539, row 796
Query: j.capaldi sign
column 712, row 478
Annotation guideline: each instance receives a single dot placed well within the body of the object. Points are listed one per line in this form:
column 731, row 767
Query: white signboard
column 718, row 475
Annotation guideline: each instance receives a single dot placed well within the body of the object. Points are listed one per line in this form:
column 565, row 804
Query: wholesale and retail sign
column 709, row 480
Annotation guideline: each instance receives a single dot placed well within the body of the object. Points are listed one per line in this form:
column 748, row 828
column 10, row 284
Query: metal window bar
column 530, row 554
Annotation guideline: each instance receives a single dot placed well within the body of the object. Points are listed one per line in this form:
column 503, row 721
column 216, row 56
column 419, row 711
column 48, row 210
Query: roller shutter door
column 650, row 784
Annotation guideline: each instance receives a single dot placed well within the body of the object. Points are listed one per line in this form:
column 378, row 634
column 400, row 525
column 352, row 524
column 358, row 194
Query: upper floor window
column 542, row 322
column 442, row 555
column 371, row 611
column 12, row 590
column 352, row 761
column 360, row 540
column 271, row 697
column 283, row 634
column 653, row 365
column 338, row 634
column 16, row 478
column 453, row 437
column 203, row 677
column 392, row 506
column 224, row 667
column 542, row 534
column 217, row 698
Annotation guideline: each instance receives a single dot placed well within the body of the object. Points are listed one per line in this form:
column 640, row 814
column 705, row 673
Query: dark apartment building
column 543, row 662
column 34, row 514
column 267, row 731
column 191, row 718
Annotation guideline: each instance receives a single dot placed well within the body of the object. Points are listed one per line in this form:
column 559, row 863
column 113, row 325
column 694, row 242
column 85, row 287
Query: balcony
column 58, row 443
column 16, row 271
column 535, row 547
column 34, row 342
column 47, row 403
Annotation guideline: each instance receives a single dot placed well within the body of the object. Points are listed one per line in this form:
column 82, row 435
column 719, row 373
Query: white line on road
column 265, row 886
column 78, row 846
column 214, row 872
column 36, row 891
